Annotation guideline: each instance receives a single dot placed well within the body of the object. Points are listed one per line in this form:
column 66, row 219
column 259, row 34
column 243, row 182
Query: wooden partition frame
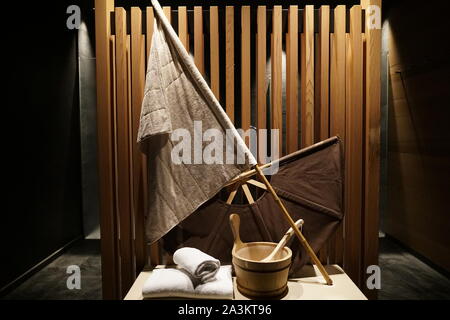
column 372, row 141
column 108, row 222
column 336, row 67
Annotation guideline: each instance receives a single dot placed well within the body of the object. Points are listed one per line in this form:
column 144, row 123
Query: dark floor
column 403, row 276
column 51, row 282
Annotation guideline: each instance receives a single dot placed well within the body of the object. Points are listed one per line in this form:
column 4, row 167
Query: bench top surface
column 310, row 286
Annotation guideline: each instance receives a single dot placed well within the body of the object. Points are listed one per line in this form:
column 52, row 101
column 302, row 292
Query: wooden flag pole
column 294, row 227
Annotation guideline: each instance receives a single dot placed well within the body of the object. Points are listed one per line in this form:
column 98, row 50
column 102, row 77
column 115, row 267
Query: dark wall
column 418, row 160
column 41, row 138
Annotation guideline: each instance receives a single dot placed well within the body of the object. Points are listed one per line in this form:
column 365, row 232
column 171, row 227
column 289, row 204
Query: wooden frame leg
column 294, row 227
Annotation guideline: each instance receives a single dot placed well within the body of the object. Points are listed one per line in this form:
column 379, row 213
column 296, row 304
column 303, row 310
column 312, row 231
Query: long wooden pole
column 294, row 226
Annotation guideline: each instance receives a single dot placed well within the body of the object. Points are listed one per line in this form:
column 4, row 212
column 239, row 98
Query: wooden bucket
column 261, row 279
column 256, row 278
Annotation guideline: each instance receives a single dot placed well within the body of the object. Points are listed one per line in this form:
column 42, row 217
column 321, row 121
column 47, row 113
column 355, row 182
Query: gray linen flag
column 179, row 108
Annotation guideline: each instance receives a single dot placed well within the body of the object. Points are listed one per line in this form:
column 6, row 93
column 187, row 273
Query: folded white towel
column 167, row 283
column 200, row 265
column 176, row 283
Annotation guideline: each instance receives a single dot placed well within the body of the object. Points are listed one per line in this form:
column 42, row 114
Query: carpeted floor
column 403, row 276
column 51, row 282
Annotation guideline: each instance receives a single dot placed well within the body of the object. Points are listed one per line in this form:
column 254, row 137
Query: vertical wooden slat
column 337, row 89
column 276, row 103
column 149, row 32
column 287, row 82
column 323, row 252
column 114, row 126
column 214, row 50
column 130, row 155
column 317, row 86
column 307, row 77
column 323, row 67
column 332, row 241
column 261, row 43
column 154, row 248
column 139, row 160
column 372, row 141
column 353, row 148
column 292, row 81
column 123, row 153
column 199, row 40
column 321, row 103
column 245, row 68
column 337, row 101
column 128, row 216
column 183, row 27
column 154, row 254
column 229, row 61
column 168, row 13
column 364, row 4
column 110, row 267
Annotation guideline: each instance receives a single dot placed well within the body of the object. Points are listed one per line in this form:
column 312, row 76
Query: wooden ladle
column 287, row 236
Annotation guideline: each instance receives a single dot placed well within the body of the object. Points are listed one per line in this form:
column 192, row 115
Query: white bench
column 310, row 286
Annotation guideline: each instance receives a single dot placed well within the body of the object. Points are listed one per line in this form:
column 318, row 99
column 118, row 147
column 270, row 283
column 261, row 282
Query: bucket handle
column 235, row 222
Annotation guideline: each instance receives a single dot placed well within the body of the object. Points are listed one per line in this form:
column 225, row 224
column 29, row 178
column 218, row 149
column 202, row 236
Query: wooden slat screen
column 307, row 76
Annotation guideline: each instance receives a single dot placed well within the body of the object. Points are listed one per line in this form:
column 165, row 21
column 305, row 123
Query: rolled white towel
column 202, row 267
column 176, row 283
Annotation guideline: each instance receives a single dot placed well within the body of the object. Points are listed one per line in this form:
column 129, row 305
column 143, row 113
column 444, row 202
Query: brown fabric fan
column 310, row 184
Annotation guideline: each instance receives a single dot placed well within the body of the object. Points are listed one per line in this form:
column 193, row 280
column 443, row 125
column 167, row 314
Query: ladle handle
column 235, row 222
column 287, row 236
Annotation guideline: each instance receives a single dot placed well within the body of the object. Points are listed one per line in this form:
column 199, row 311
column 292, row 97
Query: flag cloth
column 176, row 97
column 310, row 183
